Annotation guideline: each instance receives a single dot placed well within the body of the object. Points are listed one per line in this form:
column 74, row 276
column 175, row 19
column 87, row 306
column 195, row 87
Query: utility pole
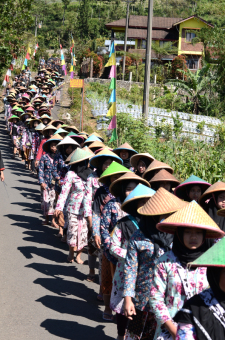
column 126, row 32
column 148, row 61
column 35, row 33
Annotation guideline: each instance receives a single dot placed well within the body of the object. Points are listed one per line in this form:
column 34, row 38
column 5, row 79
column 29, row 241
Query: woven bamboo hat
column 97, row 135
column 46, row 117
column 135, row 159
column 156, row 166
column 163, row 202
column 80, row 155
column 96, row 145
column 125, row 146
column 221, row 212
column 213, row 257
column 216, row 187
column 105, row 148
column 191, row 216
column 141, row 191
column 83, row 133
column 79, row 139
column 181, row 190
column 68, row 141
column 56, row 122
column 13, row 117
column 113, row 169
column 60, row 130
column 24, row 114
column 72, row 128
column 91, row 139
column 56, row 139
column 40, row 127
column 116, row 187
column 94, row 161
column 34, row 120
column 69, row 157
column 47, row 128
column 164, row 175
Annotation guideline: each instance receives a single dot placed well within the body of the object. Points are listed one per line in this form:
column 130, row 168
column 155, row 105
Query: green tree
column 83, row 19
column 65, row 5
column 164, row 50
column 195, row 85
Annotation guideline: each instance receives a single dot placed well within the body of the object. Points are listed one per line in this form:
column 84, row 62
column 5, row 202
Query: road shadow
column 74, row 330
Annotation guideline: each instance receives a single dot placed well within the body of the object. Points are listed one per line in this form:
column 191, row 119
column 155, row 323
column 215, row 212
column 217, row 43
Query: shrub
column 179, row 62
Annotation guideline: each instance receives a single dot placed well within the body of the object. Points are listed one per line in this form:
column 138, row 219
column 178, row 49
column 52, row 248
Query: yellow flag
column 63, row 62
column 29, row 50
column 112, row 110
column 112, row 60
column 71, row 68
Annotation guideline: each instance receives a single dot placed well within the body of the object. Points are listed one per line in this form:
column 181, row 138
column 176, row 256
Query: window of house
column 143, row 44
column 192, row 64
column 168, row 43
column 190, row 36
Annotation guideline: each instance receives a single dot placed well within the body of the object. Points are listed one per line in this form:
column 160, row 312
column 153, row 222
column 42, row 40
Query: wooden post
column 91, row 68
column 82, row 108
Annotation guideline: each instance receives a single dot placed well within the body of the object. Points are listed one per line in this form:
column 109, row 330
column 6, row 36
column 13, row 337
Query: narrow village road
column 41, row 296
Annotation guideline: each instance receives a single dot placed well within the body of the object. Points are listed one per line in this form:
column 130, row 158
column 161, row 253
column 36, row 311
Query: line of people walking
column 159, row 243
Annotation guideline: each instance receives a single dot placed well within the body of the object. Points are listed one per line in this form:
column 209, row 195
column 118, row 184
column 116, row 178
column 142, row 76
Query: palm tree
column 196, row 85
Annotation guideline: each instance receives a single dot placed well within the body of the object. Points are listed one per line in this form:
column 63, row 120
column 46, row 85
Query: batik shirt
column 35, row 142
column 138, row 270
column 45, row 170
column 72, row 193
column 111, row 213
column 92, row 186
column 172, row 285
column 60, row 170
column 27, row 139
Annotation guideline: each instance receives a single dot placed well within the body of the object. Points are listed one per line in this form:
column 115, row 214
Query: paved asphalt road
column 41, row 296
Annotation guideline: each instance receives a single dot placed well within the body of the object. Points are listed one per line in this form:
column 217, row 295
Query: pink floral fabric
column 77, row 232
column 92, row 186
column 74, row 188
column 167, row 294
column 186, row 332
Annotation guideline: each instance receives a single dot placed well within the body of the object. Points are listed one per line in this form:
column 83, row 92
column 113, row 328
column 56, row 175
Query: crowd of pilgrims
column 159, row 243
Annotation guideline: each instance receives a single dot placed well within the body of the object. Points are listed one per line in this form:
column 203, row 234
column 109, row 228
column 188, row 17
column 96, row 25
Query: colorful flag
column 112, row 49
column 112, row 73
column 112, row 98
column 114, row 136
column 112, row 110
column 112, row 85
column 112, row 124
column 112, row 60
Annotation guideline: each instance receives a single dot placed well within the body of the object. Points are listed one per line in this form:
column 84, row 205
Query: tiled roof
column 191, row 17
column 158, row 22
column 119, row 23
column 156, row 34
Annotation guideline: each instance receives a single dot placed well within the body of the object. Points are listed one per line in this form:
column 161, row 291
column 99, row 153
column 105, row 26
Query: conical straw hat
column 213, row 257
column 221, row 212
column 135, row 158
column 94, row 161
column 116, row 187
column 141, row 191
column 181, row 190
column 40, row 127
column 125, row 146
column 216, row 187
column 48, row 127
column 79, row 139
column 97, row 135
column 96, row 144
column 192, row 215
column 56, row 138
column 67, row 141
column 69, row 157
column 60, row 130
column 164, row 175
column 156, row 165
column 13, row 117
column 163, row 202
column 91, row 139
column 114, row 168
column 56, row 122
column 80, row 155
column 105, row 148
column 45, row 117
column 72, row 128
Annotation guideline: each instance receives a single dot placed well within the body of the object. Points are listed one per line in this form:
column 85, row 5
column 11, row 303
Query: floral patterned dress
column 92, row 186
column 138, row 276
column 171, row 287
column 60, row 170
column 45, row 176
column 118, row 249
column 73, row 192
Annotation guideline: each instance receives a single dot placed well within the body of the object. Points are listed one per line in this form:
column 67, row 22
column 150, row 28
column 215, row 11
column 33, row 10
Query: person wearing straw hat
column 34, row 136
column 73, row 193
column 202, row 316
column 47, row 132
column 154, row 168
column 118, row 248
column 2, row 168
column 164, row 179
column 145, row 246
column 173, row 282
column 212, row 200
column 14, row 133
column 125, row 151
column 191, row 189
column 100, row 162
column 141, row 162
column 45, row 177
column 27, row 143
column 110, row 215
column 102, row 196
